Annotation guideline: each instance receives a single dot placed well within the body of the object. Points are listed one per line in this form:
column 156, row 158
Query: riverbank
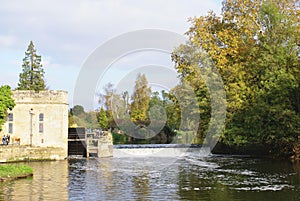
column 11, row 172
column 289, row 151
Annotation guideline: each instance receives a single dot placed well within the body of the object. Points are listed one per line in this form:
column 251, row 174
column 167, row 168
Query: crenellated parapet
column 41, row 97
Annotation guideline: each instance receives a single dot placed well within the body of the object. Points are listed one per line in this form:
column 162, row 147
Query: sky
column 66, row 33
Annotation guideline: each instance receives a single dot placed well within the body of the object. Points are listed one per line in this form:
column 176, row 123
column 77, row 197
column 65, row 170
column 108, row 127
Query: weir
column 100, row 144
column 154, row 150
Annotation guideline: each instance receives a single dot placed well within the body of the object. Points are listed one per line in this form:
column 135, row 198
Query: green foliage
column 255, row 47
column 6, row 103
column 32, row 76
column 71, row 121
column 186, row 105
column 77, row 110
column 79, row 118
column 91, row 120
column 107, row 100
column 155, row 109
column 119, row 138
column 102, row 119
column 160, row 117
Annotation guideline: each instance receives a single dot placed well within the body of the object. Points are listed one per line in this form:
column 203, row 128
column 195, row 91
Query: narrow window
column 41, row 124
column 10, row 125
column 10, row 128
column 41, row 127
column 41, row 117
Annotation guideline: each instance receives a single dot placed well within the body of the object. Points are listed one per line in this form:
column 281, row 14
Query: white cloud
column 7, row 41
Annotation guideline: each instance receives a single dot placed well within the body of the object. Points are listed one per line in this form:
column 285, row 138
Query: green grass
column 14, row 171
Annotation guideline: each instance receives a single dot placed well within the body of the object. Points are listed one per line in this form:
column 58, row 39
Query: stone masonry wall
column 105, row 146
column 26, row 153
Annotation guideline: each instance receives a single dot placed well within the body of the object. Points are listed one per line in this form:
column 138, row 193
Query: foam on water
column 264, row 188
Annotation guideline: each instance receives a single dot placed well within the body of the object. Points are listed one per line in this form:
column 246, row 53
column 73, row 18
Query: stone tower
column 39, row 119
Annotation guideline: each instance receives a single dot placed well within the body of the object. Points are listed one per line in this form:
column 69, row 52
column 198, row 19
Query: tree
column 32, row 76
column 6, row 103
column 254, row 46
column 125, row 97
column 91, row 119
column 79, row 118
column 102, row 119
column 106, row 100
column 140, row 100
column 77, row 110
column 155, row 106
column 71, row 121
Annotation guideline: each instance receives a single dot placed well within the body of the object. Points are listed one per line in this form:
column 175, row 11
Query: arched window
column 10, row 117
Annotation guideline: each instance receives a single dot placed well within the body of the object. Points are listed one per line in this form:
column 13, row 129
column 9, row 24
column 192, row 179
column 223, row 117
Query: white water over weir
column 156, row 150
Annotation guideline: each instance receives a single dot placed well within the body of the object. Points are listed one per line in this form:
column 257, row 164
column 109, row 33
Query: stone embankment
column 14, row 153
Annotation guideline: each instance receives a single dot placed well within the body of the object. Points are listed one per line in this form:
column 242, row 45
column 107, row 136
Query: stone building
column 39, row 119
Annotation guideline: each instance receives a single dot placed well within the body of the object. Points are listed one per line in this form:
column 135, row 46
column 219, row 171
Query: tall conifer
column 32, row 76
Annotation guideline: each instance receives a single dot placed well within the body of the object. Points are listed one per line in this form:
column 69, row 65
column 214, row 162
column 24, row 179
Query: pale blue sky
column 65, row 33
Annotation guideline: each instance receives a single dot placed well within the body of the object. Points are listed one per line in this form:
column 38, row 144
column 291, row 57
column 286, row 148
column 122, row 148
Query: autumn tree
column 32, row 76
column 140, row 100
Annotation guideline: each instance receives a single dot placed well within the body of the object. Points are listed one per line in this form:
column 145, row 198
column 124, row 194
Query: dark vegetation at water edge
column 10, row 172
column 257, row 151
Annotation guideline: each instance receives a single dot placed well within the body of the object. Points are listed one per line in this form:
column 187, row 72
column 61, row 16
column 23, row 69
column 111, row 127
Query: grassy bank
column 9, row 171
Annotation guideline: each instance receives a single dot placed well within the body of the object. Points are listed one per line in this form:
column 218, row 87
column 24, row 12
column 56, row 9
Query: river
column 187, row 177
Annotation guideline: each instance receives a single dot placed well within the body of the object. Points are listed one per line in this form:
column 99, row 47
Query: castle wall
column 39, row 119
column 25, row 153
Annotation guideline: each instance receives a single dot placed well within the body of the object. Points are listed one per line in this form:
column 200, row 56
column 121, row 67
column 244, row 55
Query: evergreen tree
column 32, row 76
column 102, row 119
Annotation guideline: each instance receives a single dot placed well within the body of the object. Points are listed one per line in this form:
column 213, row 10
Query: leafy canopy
column 6, row 103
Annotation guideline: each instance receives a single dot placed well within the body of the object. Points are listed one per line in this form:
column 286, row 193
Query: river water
column 186, row 177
